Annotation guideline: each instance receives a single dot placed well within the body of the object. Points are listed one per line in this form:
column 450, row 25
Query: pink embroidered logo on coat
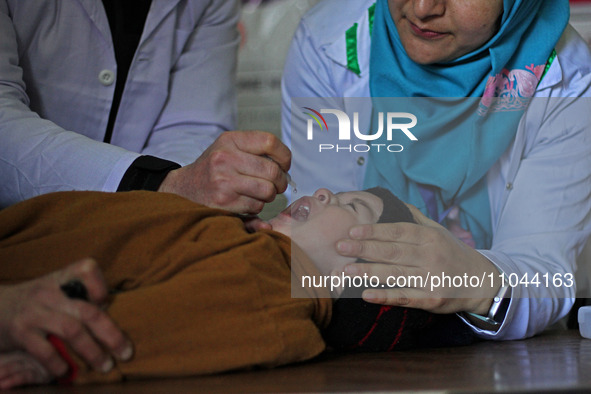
column 510, row 90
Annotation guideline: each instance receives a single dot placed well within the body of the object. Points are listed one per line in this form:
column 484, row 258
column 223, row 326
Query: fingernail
column 352, row 270
column 369, row 295
column 356, row 232
column 126, row 353
column 108, row 365
column 344, row 247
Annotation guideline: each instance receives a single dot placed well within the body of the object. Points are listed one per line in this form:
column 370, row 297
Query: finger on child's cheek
column 354, row 270
column 374, row 296
column 382, row 297
column 347, row 247
column 361, row 232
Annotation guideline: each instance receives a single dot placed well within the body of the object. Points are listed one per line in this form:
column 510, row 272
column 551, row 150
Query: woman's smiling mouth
column 425, row 33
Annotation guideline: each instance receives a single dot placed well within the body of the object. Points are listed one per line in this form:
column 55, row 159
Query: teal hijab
column 468, row 110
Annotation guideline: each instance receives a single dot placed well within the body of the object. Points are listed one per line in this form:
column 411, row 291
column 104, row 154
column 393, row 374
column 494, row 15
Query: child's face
column 317, row 222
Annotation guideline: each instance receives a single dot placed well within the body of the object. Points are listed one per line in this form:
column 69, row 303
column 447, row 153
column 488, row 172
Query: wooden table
column 557, row 361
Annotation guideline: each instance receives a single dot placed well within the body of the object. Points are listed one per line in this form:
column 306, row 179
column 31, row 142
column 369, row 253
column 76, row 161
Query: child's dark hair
column 394, row 209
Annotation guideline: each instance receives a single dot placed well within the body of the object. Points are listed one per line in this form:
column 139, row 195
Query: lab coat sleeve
column 306, row 74
column 201, row 100
column 541, row 196
column 546, row 218
column 37, row 156
column 308, row 82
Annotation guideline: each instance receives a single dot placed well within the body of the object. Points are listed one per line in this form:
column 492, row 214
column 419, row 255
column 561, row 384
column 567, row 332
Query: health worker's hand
column 240, row 172
column 20, row 368
column 427, row 250
column 31, row 311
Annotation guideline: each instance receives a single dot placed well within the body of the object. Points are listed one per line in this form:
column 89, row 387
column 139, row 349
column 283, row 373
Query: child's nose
column 323, row 195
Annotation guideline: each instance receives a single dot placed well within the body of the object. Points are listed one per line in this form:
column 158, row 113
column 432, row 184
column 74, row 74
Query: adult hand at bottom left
column 31, row 311
column 20, row 368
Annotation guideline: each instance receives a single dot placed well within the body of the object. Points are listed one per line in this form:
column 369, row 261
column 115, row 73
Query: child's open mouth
column 299, row 210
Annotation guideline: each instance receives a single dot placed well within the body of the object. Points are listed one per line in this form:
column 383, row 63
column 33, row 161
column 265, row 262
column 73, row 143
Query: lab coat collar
column 159, row 9
column 336, row 46
column 96, row 12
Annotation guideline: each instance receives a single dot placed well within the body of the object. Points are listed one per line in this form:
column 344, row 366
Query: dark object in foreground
column 75, row 290
column 357, row 325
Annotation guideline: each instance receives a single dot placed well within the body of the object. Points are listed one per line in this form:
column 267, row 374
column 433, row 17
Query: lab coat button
column 106, row 77
column 509, row 186
column 361, row 161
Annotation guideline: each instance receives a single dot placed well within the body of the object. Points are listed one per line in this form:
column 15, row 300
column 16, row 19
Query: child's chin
column 280, row 227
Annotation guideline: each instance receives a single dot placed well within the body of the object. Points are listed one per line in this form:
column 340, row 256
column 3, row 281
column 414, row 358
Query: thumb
column 254, row 224
column 88, row 272
column 421, row 218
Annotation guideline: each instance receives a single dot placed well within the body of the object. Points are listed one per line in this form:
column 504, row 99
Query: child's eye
column 352, row 205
